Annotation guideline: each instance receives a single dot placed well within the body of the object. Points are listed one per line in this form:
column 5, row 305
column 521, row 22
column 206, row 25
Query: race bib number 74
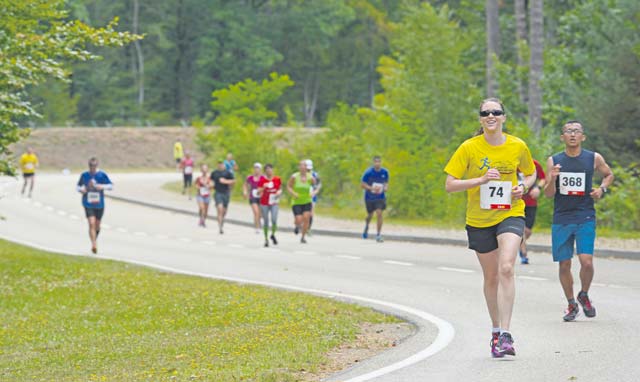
column 572, row 183
column 495, row 195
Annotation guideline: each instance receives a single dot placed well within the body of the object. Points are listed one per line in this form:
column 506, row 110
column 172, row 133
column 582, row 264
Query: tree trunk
column 521, row 43
column 493, row 45
column 535, row 66
column 140, row 57
column 311, row 90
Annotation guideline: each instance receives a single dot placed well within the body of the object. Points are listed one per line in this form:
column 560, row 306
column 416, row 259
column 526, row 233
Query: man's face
column 93, row 167
column 377, row 163
column 221, row 166
column 573, row 134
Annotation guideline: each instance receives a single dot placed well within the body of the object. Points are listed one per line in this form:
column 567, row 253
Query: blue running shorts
column 563, row 237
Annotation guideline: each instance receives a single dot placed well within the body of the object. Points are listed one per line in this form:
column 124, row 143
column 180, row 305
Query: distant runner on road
column 187, row 174
column 375, row 183
column 223, row 180
column 92, row 185
column 300, row 187
column 250, row 192
column 315, row 190
column 530, row 210
column 230, row 164
column 574, row 216
column 270, row 189
column 28, row 164
column 178, row 153
column 486, row 166
column 203, row 197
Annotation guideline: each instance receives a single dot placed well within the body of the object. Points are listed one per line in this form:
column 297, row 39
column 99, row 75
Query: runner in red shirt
column 269, row 189
column 530, row 209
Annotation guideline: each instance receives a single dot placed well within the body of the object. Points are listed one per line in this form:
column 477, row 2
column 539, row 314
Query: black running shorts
column 483, row 240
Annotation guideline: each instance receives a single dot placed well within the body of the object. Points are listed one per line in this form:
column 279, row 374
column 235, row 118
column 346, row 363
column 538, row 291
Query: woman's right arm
column 456, row 185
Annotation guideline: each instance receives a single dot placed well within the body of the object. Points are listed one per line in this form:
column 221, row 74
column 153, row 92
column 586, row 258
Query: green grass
column 69, row 318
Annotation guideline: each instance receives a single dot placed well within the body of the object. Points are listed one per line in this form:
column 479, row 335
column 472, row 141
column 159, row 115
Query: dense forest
column 399, row 78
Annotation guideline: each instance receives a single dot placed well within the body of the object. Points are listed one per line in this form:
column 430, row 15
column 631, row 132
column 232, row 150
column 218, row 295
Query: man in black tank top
column 571, row 185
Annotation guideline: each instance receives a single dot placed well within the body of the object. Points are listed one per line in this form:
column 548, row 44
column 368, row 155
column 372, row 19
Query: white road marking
column 49, row 208
column 74, row 217
column 349, row 257
column 446, row 332
column 62, row 213
column 139, row 233
column 240, row 246
column 393, row 262
column 532, row 278
column 37, row 204
column 208, row 242
column 305, row 253
column 105, row 226
column 121, row 229
column 461, row 270
column 160, row 236
column 185, row 239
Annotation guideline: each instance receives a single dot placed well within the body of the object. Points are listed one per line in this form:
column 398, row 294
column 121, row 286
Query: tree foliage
column 37, row 40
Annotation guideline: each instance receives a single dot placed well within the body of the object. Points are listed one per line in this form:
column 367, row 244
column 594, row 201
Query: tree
column 520, row 11
column 493, row 44
column 36, row 40
column 536, row 43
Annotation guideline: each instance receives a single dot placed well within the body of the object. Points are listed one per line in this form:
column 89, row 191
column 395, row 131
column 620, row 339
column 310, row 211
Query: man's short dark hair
column 377, row 157
column 268, row 165
column 571, row 122
column 93, row 160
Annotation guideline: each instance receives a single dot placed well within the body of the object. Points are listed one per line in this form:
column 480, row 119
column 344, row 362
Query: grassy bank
column 75, row 318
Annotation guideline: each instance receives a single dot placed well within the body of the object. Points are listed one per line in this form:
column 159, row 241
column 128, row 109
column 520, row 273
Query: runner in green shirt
column 300, row 187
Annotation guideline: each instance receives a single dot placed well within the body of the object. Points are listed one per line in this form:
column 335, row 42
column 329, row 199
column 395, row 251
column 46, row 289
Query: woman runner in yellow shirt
column 486, row 166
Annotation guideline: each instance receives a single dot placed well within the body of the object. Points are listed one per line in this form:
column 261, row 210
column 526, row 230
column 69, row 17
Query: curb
column 607, row 253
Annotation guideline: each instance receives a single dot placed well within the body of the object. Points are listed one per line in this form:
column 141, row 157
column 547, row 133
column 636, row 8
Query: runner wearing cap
column 316, row 190
column 250, row 192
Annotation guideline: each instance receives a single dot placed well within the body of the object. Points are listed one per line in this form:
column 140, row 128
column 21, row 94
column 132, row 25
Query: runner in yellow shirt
column 28, row 165
column 178, row 153
column 486, row 166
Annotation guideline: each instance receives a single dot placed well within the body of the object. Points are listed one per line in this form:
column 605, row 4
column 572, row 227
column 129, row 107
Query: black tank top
column 574, row 209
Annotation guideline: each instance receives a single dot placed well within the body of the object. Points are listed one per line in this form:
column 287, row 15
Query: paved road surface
column 441, row 280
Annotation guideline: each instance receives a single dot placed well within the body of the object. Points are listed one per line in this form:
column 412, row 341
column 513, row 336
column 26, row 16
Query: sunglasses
column 486, row 113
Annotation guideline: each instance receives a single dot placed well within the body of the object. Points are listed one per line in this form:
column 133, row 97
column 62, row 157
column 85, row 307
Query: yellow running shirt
column 472, row 160
column 178, row 153
column 28, row 163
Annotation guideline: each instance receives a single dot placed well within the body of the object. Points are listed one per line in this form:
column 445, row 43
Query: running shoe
column 505, row 344
column 379, row 239
column 495, row 353
column 273, row 239
column 94, row 250
column 365, row 234
column 588, row 309
column 303, row 241
column 266, row 243
column 296, row 230
column 524, row 260
column 571, row 313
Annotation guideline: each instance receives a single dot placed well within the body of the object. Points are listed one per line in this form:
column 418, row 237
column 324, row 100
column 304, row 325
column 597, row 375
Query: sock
column 572, row 301
column 505, row 331
column 495, row 330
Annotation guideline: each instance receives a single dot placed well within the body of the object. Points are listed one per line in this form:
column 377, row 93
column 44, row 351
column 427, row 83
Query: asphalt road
column 436, row 287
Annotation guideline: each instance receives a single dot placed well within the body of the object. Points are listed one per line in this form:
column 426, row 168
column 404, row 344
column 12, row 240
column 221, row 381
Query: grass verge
column 83, row 319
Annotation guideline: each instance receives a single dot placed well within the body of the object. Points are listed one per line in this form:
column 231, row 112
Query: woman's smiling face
column 492, row 123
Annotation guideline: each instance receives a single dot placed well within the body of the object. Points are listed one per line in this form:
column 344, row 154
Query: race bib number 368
column 495, row 195
column 572, row 183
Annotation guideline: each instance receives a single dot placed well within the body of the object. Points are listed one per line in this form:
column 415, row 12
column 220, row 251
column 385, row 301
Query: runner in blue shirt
column 375, row 182
column 91, row 185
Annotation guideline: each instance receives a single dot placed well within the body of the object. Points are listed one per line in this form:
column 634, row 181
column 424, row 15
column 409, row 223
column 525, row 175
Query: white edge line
column 531, row 278
column 349, row 257
column 393, row 262
column 461, row 270
column 446, row 332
